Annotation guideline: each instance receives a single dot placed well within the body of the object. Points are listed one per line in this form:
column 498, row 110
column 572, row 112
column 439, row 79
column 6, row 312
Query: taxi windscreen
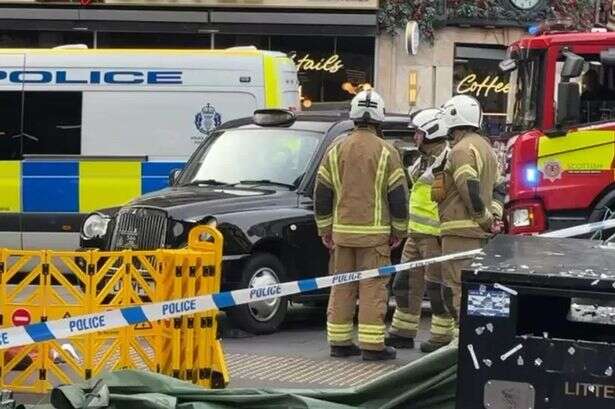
column 277, row 156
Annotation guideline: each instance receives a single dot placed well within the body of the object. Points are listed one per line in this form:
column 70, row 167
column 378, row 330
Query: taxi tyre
column 260, row 269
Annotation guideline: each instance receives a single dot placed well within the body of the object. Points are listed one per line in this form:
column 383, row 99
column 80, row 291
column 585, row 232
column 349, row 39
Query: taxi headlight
column 95, row 226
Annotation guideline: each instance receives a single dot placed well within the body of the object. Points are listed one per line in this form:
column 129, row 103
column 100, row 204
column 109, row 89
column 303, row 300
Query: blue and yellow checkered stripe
column 77, row 186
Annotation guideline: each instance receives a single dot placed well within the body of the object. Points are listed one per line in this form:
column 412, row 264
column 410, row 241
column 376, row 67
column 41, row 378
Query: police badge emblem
column 208, row 119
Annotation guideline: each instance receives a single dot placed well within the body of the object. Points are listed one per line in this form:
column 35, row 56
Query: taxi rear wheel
column 261, row 317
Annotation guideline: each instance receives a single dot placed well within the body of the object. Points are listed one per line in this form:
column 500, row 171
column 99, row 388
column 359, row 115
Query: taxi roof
column 321, row 121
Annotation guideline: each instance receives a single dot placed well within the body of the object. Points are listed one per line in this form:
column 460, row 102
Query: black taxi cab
column 253, row 179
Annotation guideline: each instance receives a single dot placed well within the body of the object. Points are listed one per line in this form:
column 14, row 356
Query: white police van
column 86, row 129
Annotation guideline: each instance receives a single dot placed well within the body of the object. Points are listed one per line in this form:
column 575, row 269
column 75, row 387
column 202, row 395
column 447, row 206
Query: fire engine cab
column 560, row 163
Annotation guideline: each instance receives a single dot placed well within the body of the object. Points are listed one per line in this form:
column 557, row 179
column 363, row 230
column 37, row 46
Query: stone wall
column 434, row 64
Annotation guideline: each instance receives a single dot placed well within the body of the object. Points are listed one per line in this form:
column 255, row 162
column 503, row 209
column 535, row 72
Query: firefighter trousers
column 409, row 288
column 372, row 294
column 451, row 270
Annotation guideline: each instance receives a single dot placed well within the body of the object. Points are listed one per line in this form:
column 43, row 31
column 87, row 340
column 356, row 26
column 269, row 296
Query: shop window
column 476, row 73
column 154, row 40
column 310, row 55
column 52, row 123
column 44, row 39
column 241, row 40
column 10, row 125
column 356, row 59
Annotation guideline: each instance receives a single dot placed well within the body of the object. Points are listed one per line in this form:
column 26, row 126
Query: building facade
column 338, row 46
column 460, row 61
column 332, row 43
column 462, row 43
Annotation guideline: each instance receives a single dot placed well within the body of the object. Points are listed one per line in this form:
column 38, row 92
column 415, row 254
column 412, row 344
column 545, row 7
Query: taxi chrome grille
column 139, row 228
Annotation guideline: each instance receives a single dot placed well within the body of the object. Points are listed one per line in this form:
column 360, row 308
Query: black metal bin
column 538, row 326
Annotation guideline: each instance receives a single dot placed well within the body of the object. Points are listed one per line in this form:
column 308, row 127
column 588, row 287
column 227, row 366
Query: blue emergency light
column 531, row 175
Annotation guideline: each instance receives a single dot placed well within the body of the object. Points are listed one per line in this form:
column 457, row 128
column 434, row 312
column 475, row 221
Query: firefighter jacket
column 424, row 218
column 361, row 193
column 465, row 188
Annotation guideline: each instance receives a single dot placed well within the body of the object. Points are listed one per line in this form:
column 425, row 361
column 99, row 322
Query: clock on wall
column 525, row 4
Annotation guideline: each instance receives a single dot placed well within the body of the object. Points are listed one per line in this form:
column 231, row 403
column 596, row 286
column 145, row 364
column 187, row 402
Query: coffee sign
column 482, row 87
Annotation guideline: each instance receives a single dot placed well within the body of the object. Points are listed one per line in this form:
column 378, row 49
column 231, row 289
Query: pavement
column 297, row 356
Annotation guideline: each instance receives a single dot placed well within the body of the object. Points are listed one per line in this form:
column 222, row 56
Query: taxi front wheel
column 261, row 317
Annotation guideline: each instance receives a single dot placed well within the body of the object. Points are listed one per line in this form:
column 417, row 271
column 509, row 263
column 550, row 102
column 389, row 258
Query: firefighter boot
column 383, row 355
column 343, row 351
column 442, row 323
column 396, row 341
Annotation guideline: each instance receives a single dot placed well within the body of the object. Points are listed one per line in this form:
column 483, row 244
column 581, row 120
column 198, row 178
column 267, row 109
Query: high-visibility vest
column 424, row 216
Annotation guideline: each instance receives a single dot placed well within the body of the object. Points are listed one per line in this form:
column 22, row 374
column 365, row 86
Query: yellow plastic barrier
column 47, row 285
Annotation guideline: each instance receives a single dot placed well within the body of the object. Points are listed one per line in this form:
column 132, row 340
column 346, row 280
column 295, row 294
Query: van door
column 11, row 130
column 51, row 144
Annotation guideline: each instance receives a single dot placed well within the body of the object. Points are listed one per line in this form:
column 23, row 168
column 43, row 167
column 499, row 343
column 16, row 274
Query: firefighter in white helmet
column 361, row 210
column 423, row 242
column 464, row 189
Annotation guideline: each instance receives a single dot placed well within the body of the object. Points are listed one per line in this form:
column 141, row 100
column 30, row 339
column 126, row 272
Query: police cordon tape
column 128, row 316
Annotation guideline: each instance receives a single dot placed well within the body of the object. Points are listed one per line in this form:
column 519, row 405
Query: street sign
column 21, row 317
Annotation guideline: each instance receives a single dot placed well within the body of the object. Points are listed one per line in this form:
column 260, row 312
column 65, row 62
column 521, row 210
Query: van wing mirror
column 607, row 57
column 568, row 103
column 573, row 65
column 174, row 176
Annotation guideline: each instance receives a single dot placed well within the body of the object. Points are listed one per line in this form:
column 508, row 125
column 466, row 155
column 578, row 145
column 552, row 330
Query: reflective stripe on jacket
column 361, row 193
column 470, row 178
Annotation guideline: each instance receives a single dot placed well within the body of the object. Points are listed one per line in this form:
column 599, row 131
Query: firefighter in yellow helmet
column 423, row 242
column 469, row 192
column 361, row 209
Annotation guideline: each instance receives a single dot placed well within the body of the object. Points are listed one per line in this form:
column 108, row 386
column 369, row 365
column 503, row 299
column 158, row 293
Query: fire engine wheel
column 604, row 209
column 261, row 317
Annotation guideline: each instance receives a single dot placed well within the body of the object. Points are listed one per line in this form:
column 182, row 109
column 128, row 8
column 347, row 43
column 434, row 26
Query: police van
column 86, row 129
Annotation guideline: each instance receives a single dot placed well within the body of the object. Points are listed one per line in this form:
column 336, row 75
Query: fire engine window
column 597, row 86
column 476, row 73
column 52, row 123
column 10, row 125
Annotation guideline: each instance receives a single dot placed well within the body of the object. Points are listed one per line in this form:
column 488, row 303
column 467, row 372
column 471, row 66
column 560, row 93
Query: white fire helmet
column 367, row 106
column 430, row 123
column 461, row 111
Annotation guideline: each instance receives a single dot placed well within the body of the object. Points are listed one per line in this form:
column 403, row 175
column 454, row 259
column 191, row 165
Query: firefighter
column 361, row 209
column 423, row 242
column 464, row 190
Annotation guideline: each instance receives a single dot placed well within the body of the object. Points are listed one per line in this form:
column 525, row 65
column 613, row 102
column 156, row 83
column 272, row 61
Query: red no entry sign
column 21, row 317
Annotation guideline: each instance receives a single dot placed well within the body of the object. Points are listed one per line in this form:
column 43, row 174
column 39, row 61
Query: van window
column 52, row 123
column 10, row 125
column 39, row 123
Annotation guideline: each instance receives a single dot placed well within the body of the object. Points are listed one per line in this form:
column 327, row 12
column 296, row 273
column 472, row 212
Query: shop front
column 476, row 73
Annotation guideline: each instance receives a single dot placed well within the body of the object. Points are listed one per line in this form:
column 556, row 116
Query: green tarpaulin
column 428, row 383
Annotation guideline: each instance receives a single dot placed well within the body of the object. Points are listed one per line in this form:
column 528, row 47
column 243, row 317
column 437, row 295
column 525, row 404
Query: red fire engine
column 560, row 164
